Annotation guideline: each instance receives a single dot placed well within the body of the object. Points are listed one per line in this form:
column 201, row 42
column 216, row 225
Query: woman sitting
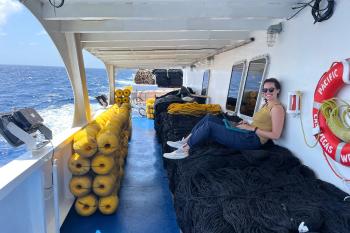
column 267, row 124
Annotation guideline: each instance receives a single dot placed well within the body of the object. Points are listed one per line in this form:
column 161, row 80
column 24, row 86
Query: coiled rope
column 318, row 14
column 322, row 14
column 336, row 119
column 194, row 109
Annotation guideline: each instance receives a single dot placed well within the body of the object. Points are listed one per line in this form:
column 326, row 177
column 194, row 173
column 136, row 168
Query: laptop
column 232, row 126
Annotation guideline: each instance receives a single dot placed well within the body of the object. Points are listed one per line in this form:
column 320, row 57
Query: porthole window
column 205, row 83
column 252, row 84
column 237, row 75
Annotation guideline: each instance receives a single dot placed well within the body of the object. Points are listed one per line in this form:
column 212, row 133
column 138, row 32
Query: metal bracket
column 28, row 139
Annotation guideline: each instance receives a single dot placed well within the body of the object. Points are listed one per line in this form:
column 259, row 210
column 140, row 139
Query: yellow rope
column 194, row 109
column 305, row 140
column 302, row 125
column 337, row 123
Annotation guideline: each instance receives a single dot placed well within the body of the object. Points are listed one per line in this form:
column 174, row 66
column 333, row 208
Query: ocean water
column 48, row 90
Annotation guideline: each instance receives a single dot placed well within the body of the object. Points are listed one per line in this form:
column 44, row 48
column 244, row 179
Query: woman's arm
column 277, row 117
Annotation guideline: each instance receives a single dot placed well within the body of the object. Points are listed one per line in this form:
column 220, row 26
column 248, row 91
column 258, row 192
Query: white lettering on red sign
column 345, row 158
column 326, row 145
column 330, row 77
column 315, row 120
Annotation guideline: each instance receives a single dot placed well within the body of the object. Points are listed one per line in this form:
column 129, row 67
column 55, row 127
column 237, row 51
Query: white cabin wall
column 194, row 80
column 302, row 53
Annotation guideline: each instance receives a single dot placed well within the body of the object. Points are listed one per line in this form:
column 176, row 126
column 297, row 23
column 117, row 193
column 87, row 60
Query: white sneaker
column 177, row 144
column 177, row 154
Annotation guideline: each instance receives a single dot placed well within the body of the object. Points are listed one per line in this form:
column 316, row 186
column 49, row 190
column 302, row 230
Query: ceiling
column 163, row 33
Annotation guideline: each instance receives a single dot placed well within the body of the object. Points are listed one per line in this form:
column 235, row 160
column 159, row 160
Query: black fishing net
column 252, row 191
column 160, row 111
column 260, row 191
column 177, row 130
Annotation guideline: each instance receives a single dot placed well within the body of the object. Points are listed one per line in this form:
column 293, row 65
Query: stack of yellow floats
column 194, row 109
column 97, row 164
column 122, row 96
column 150, row 108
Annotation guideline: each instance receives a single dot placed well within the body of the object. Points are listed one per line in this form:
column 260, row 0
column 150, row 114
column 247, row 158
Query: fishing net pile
column 175, row 119
column 161, row 107
column 144, row 77
column 168, row 78
column 175, row 127
column 183, row 116
column 268, row 190
column 253, row 191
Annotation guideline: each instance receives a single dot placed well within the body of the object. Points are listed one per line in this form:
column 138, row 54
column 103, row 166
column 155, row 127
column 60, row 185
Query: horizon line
column 49, row 66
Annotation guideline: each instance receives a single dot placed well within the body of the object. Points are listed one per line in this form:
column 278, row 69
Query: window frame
column 240, row 88
column 263, row 77
column 209, row 74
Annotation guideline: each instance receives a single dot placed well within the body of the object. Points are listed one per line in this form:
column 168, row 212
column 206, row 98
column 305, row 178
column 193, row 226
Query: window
column 252, row 85
column 205, row 83
column 234, row 87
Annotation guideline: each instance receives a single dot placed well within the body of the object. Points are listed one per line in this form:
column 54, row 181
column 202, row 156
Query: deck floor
column 145, row 204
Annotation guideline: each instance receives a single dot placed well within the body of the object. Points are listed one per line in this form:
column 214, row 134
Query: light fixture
column 272, row 33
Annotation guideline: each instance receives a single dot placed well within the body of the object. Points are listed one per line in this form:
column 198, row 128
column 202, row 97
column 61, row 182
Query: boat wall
column 302, row 53
column 66, row 199
column 27, row 201
column 20, row 209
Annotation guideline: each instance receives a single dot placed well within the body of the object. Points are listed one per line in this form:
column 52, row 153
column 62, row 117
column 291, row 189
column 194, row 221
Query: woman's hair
column 274, row 81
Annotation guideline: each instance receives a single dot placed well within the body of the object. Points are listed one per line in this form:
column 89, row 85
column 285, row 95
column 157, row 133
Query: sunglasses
column 265, row 90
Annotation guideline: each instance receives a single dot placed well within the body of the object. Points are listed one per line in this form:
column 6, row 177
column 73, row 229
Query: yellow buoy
column 103, row 185
column 102, row 164
column 126, row 100
column 87, row 205
column 126, row 92
column 118, row 100
column 78, row 165
column 80, row 185
column 86, row 146
column 118, row 93
column 107, row 142
column 108, row 205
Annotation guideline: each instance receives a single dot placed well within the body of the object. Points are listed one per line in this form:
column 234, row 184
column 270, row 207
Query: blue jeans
column 213, row 128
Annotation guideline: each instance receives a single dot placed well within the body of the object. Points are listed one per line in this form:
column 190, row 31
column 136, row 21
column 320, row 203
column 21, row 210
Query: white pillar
column 69, row 47
column 76, row 72
column 111, row 80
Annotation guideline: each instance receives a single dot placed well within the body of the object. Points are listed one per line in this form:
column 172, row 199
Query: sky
column 23, row 41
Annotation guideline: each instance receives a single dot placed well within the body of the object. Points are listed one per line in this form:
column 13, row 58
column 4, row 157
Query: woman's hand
column 242, row 122
column 246, row 126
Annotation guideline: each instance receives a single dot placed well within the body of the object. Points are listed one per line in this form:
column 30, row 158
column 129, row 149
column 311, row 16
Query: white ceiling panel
column 140, row 33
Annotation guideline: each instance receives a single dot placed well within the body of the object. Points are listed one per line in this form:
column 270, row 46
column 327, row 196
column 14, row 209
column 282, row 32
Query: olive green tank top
column 262, row 120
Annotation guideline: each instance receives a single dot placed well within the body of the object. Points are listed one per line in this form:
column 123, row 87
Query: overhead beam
column 164, row 25
column 153, row 61
column 144, row 62
column 151, row 56
column 170, row 35
column 147, row 51
column 150, row 66
column 155, row 44
column 169, row 9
